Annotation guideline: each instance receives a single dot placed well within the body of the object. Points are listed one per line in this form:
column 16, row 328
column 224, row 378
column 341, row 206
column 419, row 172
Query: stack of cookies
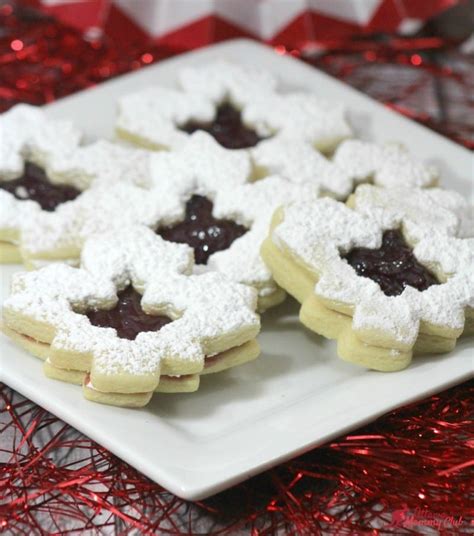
column 152, row 257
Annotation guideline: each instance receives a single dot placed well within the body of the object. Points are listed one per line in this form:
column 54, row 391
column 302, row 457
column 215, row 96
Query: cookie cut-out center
column 202, row 231
column 34, row 185
column 393, row 266
column 127, row 317
column 227, row 128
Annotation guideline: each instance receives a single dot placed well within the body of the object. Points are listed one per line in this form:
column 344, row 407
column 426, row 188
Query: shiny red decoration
column 42, row 60
column 409, row 471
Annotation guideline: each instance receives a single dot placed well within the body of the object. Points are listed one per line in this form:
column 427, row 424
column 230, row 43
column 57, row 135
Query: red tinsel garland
column 408, row 471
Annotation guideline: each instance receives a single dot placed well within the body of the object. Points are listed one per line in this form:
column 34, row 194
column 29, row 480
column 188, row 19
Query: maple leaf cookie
column 131, row 315
column 45, row 172
column 239, row 107
column 224, row 217
column 363, row 281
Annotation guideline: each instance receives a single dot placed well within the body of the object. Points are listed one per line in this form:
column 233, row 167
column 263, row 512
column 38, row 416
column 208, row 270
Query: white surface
column 298, row 394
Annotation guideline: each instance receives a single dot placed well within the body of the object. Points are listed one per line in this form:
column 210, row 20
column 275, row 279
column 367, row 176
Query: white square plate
column 298, row 394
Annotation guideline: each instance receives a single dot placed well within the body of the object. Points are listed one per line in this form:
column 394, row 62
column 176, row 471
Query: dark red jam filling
column 227, row 128
column 128, row 317
column 200, row 230
column 393, row 266
column 35, row 186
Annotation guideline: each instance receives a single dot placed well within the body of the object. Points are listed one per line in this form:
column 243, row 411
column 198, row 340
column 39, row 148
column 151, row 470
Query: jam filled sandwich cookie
column 354, row 162
column 239, row 107
column 46, row 179
column 224, row 217
column 27, row 141
column 132, row 320
column 383, row 286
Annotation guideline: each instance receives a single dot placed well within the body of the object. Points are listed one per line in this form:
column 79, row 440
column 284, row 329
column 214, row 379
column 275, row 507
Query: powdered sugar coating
column 421, row 210
column 301, row 162
column 13, row 213
column 96, row 210
column 320, row 232
column 388, row 165
column 26, row 134
column 203, row 167
column 224, row 81
column 200, row 165
column 153, row 116
column 206, row 307
column 299, row 116
column 101, row 161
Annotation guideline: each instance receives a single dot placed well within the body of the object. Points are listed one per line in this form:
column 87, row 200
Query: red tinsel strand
column 418, row 65
column 42, row 60
column 417, row 459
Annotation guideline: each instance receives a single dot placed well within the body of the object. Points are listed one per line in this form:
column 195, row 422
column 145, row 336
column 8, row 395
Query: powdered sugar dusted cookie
column 200, row 165
column 52, row 173
column 27, row 141
column 363, row 282
column 224, row 217
column 131, row 312
column 388, row 165
column 238, row 106
column 299, row 163
column 101, row 161
column 27, row 135
column 223, row 81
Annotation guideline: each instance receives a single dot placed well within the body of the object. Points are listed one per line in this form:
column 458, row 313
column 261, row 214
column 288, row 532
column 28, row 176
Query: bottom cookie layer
column 167, row 384
column 9, row 253
column 126, row 400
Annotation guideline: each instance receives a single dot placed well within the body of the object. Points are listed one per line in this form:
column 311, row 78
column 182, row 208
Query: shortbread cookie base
column 70, row 255
column 140, row 141
column 37, row 348
column 76, row 377
column 232, row 357
column 9, row 253
column 168, row 384
column 127, row 400
column 178, row 384
column 333, row 321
